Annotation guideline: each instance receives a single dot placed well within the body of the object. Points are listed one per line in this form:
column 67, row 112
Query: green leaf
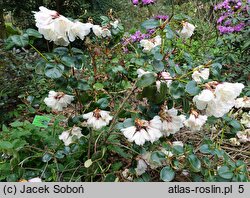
column 205, row 149
column 158, row 65
column 176, row 90
column 110, row 178
column 192, row 88
column 150, row 24
column 53, row 70
column 20, row 40
column 128, row 122
column 47, row 157
column 235, row 124
column 119, row 151
column 76, row 51
column 178, row 149
column 157, row 157
column 169, row 32
column 139, row 61
column 34, row 33
column 103, row 103
column 225, row 172
column 146, row 80
column 167, row 174
column 59, row 154
column 5, row 128
column 61, row 50
column 177, row 69
column 195, row 163
column 98, row 86
column 116, row 166
column 5, row 145
column 16, row 124
column 68, row 61
column 83, row 85
column 158, row 56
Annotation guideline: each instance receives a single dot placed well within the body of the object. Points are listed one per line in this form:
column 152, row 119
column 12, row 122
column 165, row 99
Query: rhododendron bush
column 123, row 107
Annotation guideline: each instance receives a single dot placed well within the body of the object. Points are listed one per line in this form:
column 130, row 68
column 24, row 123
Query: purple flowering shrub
column 143, row 2
column 233, row 25
column 234, row 16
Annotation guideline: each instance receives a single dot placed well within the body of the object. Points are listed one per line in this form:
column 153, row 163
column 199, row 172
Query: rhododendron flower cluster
column 143, row 131
column 200, row 73
column 218, row 99
column 67, row 136
column 230, row 10
column 149, row 44
column 58, row 100
column 171, row 122
column 187, row 30
column 195, row 121
column 57, row 28
column 98, row 118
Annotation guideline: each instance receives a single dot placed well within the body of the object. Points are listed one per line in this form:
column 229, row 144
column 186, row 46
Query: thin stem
column 112, row 125
column 39, row 52
column 89, row 146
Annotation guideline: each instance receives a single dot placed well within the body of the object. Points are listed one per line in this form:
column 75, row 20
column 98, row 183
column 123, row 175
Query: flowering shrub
column 109, row 105
column 233, row 25
column 232, row 13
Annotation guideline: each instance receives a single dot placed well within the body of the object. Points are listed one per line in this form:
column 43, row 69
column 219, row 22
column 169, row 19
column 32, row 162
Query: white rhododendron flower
column 149, row 44
column 57, row 28
column 245, row 120
column 242, row 102
column 58, row 100
column 201, row 101
column 144, row 131
column 36, row 179
column 195, row 121
column 67, row 136
column 244, row 136
column 98, row 118
column 227, row 92
column 53, row 26
column 80, row 30
column 200, row 74
column 187, row 30
column 225, row 95
column 141, row 167
column 171, row 123
column 217, row 108
column 219, row 100
column 97, row 29
column 45, row 16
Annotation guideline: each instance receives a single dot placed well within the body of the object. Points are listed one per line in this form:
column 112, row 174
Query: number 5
column 241, row 189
